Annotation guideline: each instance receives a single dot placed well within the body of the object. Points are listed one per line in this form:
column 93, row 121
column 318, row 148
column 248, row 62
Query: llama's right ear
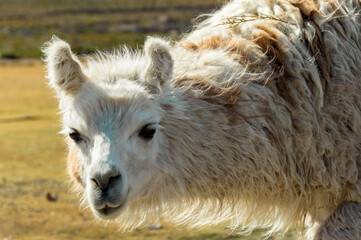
column 64, row 69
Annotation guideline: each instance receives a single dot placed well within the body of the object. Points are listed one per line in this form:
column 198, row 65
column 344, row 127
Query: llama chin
column 253, row 119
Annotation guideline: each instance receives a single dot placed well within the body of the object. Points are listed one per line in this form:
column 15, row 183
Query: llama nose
column 105, row 180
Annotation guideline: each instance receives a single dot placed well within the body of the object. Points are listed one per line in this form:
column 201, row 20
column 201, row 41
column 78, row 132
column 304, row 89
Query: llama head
column 111, row 114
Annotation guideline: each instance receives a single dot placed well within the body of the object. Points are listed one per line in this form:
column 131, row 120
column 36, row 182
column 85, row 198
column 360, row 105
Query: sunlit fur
column 259, row 123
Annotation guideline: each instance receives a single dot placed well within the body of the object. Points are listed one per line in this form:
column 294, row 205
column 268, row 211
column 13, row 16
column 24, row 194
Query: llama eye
column 147, row 132
column 75, row 135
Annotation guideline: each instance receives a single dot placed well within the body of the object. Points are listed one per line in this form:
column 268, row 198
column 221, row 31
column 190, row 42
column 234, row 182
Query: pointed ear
column 64, row 69
column 160, row 63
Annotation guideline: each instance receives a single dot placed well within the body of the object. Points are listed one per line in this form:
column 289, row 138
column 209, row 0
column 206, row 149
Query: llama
column 253, row 118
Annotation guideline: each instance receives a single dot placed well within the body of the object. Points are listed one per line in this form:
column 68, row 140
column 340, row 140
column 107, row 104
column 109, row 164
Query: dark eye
column 147, row 132
column 75, row 135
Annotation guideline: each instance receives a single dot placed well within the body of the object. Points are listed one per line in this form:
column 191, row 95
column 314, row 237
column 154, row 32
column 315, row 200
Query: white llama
column 253, row 118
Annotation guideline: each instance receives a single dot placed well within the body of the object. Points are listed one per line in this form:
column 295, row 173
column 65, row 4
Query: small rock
column 51, row 197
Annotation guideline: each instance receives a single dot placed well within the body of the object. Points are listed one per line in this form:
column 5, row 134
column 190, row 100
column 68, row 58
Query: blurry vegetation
column 92, row 24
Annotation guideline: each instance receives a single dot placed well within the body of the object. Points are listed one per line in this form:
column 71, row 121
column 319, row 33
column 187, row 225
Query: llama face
column 117, row 137
column 112, row 119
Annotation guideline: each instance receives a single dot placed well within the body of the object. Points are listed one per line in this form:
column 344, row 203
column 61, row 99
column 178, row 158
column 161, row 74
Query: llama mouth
column 108, row 212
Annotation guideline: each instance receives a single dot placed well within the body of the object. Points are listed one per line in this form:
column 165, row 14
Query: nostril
column 113, row 179
column 95, row 182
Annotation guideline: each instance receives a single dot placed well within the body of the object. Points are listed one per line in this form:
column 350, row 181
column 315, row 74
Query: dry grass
column 33, row 165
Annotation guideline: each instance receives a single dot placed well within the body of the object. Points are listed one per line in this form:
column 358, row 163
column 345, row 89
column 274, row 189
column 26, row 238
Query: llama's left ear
column 160, row 63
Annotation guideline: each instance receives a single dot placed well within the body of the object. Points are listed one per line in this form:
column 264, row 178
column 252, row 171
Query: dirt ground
column 35, row 198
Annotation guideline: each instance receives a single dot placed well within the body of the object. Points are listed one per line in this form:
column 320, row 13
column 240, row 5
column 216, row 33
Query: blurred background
column 92, row 24
column 35, row 197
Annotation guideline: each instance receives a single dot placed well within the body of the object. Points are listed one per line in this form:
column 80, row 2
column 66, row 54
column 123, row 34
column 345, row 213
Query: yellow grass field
column 32, row 166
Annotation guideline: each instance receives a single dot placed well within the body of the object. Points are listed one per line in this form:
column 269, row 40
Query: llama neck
column 204, row 144
column 217, row 155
